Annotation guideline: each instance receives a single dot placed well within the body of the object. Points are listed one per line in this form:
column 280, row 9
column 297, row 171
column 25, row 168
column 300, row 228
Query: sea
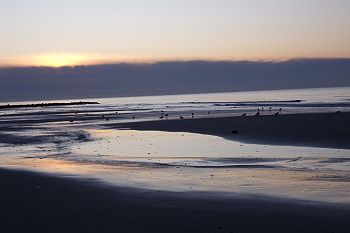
column 234, row 103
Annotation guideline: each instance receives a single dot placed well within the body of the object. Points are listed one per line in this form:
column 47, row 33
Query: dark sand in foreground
column 33, row 202
column 329, row 130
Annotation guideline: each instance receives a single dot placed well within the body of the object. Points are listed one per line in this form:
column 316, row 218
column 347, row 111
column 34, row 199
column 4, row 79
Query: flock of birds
column 166, row 115
column 262, row 109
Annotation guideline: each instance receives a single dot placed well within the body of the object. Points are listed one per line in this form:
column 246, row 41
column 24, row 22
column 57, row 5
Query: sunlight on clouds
column 58, row 60
column 72, row 59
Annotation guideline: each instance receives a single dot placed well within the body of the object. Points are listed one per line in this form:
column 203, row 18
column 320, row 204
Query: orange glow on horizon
column 69, row 59
column 57, row 60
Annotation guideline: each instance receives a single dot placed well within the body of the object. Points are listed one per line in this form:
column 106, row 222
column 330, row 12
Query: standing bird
column 257, row 114
column 276, row 114
column 181, row 117
column 244, row 114
column 161, row 117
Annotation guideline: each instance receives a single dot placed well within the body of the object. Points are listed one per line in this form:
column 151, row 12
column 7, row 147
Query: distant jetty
column 10, row 106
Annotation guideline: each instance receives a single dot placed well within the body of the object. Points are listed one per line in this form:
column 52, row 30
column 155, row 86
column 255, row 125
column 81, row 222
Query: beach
column 143, row 168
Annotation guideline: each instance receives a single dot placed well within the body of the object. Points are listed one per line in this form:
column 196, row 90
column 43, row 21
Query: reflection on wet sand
column 193, row 162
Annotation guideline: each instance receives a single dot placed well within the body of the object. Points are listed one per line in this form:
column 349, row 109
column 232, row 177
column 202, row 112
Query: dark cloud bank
column 35, row 83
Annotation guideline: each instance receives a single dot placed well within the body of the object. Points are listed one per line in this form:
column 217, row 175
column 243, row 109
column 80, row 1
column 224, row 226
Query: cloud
column 176, row 77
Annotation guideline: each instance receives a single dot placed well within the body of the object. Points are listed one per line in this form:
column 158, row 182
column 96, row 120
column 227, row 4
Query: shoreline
column 325, row 130
column 46, row 203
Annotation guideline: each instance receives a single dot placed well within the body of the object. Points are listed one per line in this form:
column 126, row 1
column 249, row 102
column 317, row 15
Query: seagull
column 276, row 114
column 181, row 117
column 166, row 115
column 161, row 117
column 257, row 114
column 244, row 114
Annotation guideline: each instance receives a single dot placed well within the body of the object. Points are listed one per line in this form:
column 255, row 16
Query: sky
column 73, row 32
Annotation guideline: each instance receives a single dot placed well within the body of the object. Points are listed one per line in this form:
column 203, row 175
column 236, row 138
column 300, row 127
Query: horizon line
column 158, row 61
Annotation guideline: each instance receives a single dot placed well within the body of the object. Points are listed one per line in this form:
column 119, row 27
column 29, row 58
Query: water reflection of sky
column 196, row 150
column 192, row 162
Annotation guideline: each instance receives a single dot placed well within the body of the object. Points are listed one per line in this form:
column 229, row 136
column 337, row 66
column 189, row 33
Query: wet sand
column 33, row 202
column 328, row 130
column 37, row 202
